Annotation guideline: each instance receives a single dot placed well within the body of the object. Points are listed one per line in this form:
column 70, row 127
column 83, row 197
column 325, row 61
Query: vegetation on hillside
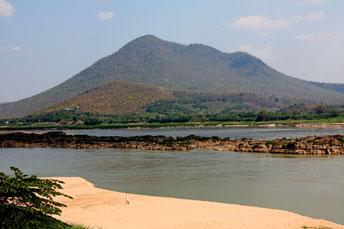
column 115, row 98
column 172, row 113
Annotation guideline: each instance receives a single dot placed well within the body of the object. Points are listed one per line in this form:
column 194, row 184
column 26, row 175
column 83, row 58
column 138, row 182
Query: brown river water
column 312, row 186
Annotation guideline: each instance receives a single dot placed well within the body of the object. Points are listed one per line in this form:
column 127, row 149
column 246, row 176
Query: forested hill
column 182, row 69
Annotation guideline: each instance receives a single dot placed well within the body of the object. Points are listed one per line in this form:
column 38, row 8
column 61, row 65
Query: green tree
column 27, row 201
column 262, row 116
column 92, row 121
column 320, row 109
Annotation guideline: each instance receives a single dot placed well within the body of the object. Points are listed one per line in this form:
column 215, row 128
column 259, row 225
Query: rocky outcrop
column 324, row 145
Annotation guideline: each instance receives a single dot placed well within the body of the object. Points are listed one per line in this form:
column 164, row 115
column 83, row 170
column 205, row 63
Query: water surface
column 307, row 185
column 235, row 133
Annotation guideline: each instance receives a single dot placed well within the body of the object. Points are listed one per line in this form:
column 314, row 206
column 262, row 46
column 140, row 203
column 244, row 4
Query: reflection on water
column 308, row 185
column 235, row 133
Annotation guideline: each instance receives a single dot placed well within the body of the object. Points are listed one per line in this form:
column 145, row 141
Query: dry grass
column 114, row 98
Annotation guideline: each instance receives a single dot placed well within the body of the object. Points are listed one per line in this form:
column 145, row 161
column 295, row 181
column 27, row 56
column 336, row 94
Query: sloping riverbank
column 101, row 208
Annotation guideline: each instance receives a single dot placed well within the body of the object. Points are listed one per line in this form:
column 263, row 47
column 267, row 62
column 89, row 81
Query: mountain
column 337, row 87
column 187, row 70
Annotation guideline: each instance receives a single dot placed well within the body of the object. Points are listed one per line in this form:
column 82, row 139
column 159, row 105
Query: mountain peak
column 144, row 42
column 148, row 38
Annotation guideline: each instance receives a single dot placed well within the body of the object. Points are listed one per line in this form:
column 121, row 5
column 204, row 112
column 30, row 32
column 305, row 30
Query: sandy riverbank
column 101, row 208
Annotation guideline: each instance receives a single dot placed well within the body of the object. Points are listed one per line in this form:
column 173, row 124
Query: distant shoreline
column 301, row 125
column 311, row 145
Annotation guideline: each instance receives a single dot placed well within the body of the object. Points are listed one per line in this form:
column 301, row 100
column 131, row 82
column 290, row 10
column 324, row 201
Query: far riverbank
column 320, row 124
column 310, row 145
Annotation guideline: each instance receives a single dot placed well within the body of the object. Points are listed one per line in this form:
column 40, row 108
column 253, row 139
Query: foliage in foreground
column 14, row 217
column 27, row 201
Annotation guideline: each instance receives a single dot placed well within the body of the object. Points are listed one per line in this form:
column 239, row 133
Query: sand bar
column 99, row 208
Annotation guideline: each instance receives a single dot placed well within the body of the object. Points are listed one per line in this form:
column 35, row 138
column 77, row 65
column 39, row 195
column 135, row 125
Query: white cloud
column 106, row 15
column 317, row 16
column 14, row 48
column 263, row 23
column 312, row 1
column 6, row 9
column 320, row 37
column 258, row 22
column 245, row 48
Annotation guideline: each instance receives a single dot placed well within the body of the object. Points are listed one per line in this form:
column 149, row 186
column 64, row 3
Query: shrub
column 27, row 201
column 92, row 121
column 341, row 140
column 290, row 145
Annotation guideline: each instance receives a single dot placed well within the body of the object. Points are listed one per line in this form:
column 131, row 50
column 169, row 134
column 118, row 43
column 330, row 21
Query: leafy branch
column 30, row 192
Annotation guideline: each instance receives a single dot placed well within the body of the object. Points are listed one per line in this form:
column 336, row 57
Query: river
column 311, row 186
column 235, row 133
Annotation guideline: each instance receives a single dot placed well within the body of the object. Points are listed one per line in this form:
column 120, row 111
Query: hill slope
column 337, row 87
column 115, row 98
column 188, row 68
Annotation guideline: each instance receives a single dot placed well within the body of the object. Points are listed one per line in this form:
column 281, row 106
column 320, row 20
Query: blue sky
column 43, row 43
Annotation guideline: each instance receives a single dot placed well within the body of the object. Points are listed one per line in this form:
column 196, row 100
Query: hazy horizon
column 44, row 43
